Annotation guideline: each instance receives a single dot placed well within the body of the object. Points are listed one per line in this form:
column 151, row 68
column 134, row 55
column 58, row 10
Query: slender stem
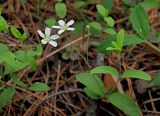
column 87, row 44
column 153, row 46
column 69, row 45
column 120, row 70
column 119, row 63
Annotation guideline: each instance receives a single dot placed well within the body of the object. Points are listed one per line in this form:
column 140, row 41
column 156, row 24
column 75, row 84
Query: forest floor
column 65, row 96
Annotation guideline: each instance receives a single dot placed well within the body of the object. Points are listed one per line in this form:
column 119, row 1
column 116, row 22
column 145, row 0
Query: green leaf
column 3, row 25
column 129, row 39
column 139, row 21
column 95, row 25
column 50, row 22
column 103, row 11
column 79, row 4
column 120, row 38
column 155, row 81
column 110, row 31
column 79, row 27
column 112, row 49
column 150, row 4
column 3, row 48
column 20, row 55
column 38, row 86
column 61, row 9
column 110, row 21
column 39, row 50
column 91, row 94
column 105, row 69
column 136, row 74
column 129, row 2
column 32, row 62
column 108, row 4
column 6, row 96
column 132, row 39
column 118, row 45
column 23, row 36
column 124, row 103
column 95, row 28
column 16, row 33
column 92, row 82
column 106, row 43
column 13, row 66
column 18, row 82
column 65, row 56
column 7, row 56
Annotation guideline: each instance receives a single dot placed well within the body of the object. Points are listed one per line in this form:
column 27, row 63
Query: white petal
column 53, row 37
column 43, row 41
column 60, row 31
column 61, row 22
column 56, row 27
column 70, row 28
column 53, row 43
column 70, row 22
column 47, row 31
column 40, row 33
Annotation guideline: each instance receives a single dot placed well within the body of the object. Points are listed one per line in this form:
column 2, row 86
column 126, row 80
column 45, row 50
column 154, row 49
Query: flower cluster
column 48, row 38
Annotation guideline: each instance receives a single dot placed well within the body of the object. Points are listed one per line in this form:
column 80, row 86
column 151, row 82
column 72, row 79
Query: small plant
column 26, row 57
column 94, row 87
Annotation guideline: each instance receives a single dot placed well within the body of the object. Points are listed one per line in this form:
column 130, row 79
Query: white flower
column 47, row 37
column 64, row 26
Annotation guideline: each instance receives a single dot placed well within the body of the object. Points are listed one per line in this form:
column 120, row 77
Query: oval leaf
column 93, row 83
column 110, row 21
column 37, row 86
column 50, row 22
column 132, row 39
column 136, row 74
column 90, row 93
column 6, row 96
column 16, row 32
column 103, row 11
column 61, row 9
column 124, row 103
column 3, row 25
column 105, row 69
column 95, row 25
column 139, row 21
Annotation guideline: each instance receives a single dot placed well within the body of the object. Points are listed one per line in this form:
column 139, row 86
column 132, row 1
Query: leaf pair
column 118, row 45
column 95, row 88
column 104, row 13
column 128, row 73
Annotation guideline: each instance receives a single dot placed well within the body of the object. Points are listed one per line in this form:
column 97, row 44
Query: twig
column 49, row 97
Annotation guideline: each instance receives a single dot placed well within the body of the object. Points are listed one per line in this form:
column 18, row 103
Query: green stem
column 153, row 46
column 88, row 45
column 119, row 63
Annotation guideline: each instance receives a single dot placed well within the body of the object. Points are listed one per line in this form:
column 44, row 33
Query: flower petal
column 40, row 33
column 61, row 23
column 53, row 37
column 47, row 31
column 53, row 43
column 56, row 27
column 43, row 41
column 70, row 28
column 60, row 31
column 70, row 22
